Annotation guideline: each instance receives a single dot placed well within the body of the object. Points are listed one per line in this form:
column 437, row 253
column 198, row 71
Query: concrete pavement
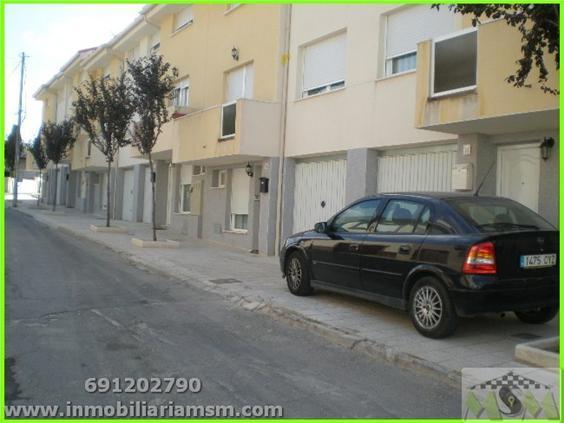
column 77, row 310
column 254, row 282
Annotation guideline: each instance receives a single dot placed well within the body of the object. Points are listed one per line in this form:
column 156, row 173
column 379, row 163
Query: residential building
column 408, row 98
column 323, row 103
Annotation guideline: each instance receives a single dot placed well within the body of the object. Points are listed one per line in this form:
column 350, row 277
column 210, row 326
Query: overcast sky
column 50, row 35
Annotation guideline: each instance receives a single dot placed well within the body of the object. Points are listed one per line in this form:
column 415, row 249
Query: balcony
column 85, row 157
column 243, row 130
column 461, row 87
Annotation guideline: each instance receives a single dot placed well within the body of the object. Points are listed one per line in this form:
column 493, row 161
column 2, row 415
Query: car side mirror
column 320, row 227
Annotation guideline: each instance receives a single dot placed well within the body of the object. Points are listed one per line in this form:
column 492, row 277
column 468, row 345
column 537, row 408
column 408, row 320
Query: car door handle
column 354, row 247
column 404, row 249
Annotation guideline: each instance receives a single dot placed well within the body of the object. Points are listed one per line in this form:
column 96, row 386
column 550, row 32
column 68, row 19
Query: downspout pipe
column 285, row 59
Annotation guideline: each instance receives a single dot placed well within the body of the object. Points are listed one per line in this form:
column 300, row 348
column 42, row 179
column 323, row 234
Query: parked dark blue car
column 436, row 255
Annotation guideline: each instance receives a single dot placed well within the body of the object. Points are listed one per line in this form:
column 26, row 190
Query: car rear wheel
column 297, row 275
column 538, row 315
column 431, row 309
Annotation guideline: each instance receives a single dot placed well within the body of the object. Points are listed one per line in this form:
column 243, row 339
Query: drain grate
column 224, row 281
column 525, row 336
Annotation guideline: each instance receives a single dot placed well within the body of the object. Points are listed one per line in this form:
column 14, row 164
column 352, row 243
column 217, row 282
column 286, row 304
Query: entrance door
column 518, row 174
column 127, row 213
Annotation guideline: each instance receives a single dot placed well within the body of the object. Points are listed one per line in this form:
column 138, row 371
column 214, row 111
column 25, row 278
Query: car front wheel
column 538, row 315
column 431, row 309
column 297, row 275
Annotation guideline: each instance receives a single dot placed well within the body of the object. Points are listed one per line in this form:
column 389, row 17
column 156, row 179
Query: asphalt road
column 75, row 310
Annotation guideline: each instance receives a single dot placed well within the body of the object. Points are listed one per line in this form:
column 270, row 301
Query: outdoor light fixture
column 249, row 170
column 235, row 53
column 545, row 147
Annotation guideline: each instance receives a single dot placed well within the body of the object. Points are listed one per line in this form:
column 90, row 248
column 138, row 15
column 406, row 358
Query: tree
column 153, row 83
column 59, row 139
column 540, row 33
column 10, row 150
column 103, row 110
column 37, row 150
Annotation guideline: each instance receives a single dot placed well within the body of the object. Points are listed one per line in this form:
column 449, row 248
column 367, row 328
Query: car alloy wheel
column 295, row 273
column 428, row 307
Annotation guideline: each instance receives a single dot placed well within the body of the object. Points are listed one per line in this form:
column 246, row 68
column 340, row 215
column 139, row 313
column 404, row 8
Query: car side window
column 423, row 222
column 399, row 216
column 356, row 218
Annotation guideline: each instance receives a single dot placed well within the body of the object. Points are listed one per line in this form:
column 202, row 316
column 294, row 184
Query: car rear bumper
column 533, row 294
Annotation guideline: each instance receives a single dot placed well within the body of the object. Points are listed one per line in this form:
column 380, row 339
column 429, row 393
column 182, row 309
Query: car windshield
column 498, row 215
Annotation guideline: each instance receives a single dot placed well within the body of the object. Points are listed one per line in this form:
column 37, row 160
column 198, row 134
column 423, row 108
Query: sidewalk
column 255, row 283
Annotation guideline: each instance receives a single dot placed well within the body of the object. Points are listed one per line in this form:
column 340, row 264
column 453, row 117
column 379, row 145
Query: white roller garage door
column 127, row 213
column 319, row 191
column 421, row 169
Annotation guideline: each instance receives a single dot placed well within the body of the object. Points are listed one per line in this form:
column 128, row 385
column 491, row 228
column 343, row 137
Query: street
column 75, row 310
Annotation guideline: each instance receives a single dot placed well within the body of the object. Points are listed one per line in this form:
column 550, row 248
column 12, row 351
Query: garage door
column 422, row 169
column 319, row 191
column 147, row 197
column 127, row 213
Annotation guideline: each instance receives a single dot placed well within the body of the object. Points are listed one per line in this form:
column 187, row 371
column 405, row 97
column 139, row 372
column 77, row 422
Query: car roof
column 437, row 195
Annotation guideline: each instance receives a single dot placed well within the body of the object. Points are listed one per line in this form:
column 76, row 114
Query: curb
column 338, row 336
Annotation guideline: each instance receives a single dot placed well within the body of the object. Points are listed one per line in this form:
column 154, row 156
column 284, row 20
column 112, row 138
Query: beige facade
column 284, row 113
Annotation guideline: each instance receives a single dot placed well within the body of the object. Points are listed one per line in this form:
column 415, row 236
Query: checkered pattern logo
column 512, row 381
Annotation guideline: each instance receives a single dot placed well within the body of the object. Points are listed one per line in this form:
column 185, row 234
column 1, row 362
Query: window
column 239, row 200
column 408, row 26
column 219, row 177
column 403, row 63
column 455, row 63
column 89, row 150
column 356, row 218
column 198, row 170
column 498, row 214
column 324, row 65
column 423, row 223
column 399, row 216
column 155, row 43
column 186, row 191
column 238, row 84
column 181, row 93
column 183, row 18
column 185, row 188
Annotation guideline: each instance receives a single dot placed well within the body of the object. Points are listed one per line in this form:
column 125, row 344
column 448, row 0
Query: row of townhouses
column 284, row 113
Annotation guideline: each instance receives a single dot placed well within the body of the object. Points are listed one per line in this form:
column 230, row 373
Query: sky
column 50, row 35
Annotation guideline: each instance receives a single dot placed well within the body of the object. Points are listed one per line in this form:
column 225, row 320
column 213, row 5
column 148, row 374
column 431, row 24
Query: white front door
column 518, row 173
column 147, row 197
column 319, row 191
column 127, row 213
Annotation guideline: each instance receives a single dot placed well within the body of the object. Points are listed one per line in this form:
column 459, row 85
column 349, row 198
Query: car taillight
column 480, row 260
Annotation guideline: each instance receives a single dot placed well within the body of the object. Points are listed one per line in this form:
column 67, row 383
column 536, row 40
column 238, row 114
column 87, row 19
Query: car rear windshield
column 498, row 215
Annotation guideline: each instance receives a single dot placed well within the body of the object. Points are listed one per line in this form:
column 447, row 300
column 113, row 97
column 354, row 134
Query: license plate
column 538, row 260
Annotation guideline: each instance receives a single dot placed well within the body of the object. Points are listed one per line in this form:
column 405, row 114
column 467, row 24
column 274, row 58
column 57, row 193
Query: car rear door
column 335, row 258
column 391, row 246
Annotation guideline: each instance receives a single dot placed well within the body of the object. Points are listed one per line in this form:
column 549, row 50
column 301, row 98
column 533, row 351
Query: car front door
column 335, row 258
column 391, row 246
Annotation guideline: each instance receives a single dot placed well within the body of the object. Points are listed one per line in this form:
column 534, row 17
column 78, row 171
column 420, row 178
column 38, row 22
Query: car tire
column 431, row 309
column 537, row 316
column 297, row 275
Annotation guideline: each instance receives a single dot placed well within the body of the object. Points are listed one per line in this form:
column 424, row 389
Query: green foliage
column 153, row 83
column 103, row 109
column 37, row 150
column 540, row 33
column 59, row 139
column 10, row 150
